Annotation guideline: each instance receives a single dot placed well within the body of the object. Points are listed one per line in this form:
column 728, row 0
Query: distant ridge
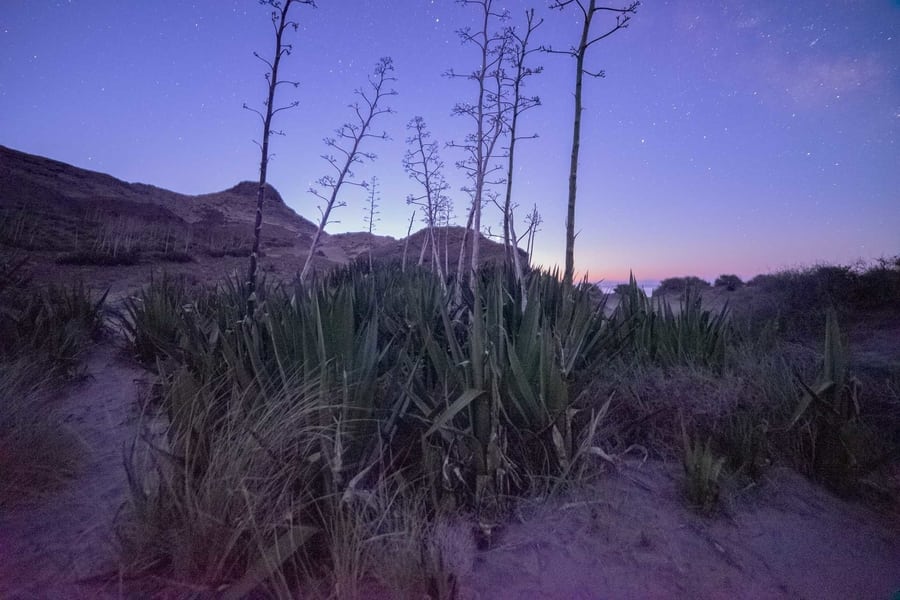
column 65, row 208
column 42, row 184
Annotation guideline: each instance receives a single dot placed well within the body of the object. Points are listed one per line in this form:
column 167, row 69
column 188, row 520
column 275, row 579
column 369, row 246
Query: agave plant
column 527, row 354
column 654, row 332
column 828, row 413
column 58, row 321
column 393, row 376
column 151, row 318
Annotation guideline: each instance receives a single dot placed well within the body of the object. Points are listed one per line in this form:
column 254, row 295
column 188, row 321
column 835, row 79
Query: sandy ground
column 52, row 543
column 630, row 535
column 626, row 535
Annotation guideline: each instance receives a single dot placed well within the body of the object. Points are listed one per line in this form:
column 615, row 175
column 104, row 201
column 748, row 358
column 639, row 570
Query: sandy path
column 46, row 547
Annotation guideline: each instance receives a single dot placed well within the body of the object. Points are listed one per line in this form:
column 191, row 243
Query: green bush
column 290, row 423
column 14, row 276
column 37, row 451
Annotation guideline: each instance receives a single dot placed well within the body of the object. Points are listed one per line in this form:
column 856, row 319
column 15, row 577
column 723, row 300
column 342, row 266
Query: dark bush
column 240, row 252
column 729, row 282
column 175, row 256
column 879, row 285
column 103, row 259
column 680, row 284
column 799, row 298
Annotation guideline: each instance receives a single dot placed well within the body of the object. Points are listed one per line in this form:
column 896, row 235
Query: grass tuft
column 44, row 333
column 703, row 470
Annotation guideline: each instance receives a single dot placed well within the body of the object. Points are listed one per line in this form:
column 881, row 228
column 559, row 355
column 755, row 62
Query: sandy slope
column 630, row 536
column 49, row 545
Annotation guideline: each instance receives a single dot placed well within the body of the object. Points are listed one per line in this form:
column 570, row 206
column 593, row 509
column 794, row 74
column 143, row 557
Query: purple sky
column 727, row 136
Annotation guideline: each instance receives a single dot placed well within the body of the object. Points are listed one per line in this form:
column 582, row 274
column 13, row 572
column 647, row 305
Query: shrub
column 240, row 500
column 175, row 256
column 879, row 286
column 14, row 275
column 680, row 285
column 742, row 434
column 729, row 282
column 292, row 426
column 100, row 258
column 800, row 298
column 741, row 404
column 238, row 252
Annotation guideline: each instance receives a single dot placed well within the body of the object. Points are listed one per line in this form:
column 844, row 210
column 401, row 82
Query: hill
column 70, row 219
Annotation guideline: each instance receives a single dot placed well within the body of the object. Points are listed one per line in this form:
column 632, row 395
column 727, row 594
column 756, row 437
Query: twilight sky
column 728, row 136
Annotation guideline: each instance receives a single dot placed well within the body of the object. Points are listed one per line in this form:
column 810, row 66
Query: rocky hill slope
column 68, row 217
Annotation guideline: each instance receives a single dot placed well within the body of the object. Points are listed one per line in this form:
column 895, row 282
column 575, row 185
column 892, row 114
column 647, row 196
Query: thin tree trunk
column 304, row 273
column 447, row 250
column 406, row 242
column 569, row 273
column 460, row 265
column 264, row 158
column 436, row 257
column 517, row 263
column 424, row 248
column 510, row 240
column 482, row 409
column 529, row 247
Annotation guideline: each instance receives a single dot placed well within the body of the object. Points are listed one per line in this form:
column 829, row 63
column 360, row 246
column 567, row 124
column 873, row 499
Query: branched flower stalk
column 348, row 148
column 424, row 165
column 281, row 22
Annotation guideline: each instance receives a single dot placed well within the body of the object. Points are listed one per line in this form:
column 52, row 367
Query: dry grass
column 420, row 555
column 223, row 491
column 37, row 452
column 44, row 333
